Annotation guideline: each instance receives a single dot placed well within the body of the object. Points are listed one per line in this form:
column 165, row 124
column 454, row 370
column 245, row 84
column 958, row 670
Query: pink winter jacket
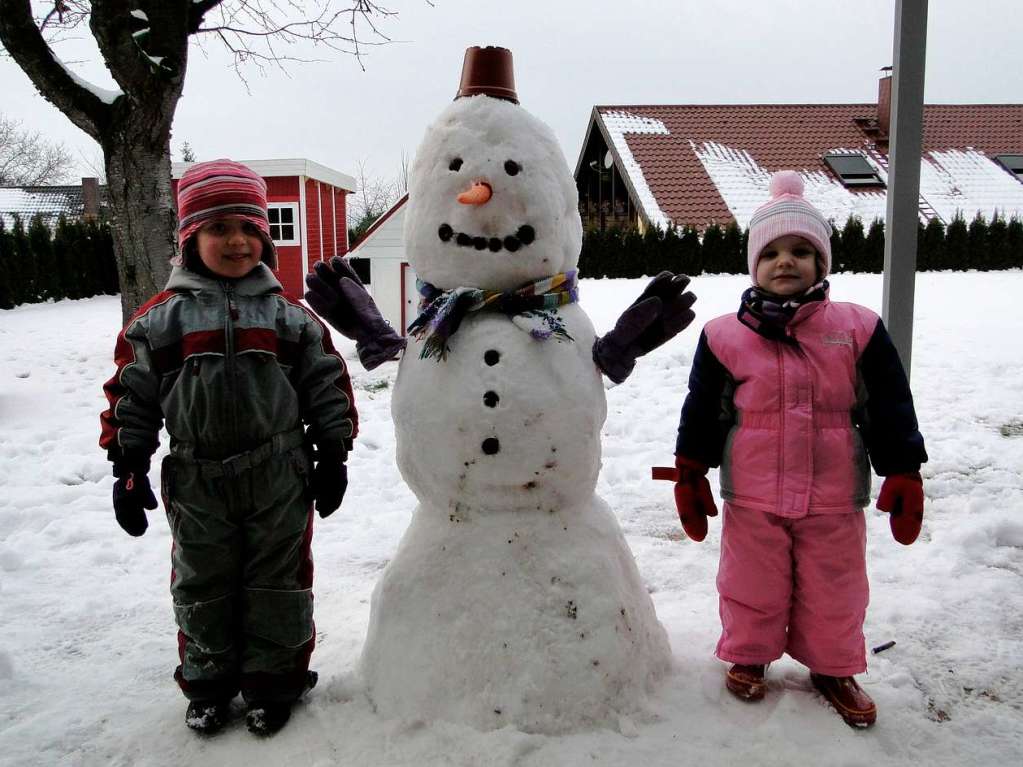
column 791, row 420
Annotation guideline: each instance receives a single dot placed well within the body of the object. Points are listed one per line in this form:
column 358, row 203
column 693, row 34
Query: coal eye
column 455, row 164
column 511, row 167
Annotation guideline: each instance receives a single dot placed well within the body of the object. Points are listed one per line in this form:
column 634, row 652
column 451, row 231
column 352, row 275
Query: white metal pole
column 903, row 212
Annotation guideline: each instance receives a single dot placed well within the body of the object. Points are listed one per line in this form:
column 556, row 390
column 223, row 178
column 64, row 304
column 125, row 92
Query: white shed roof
column 287, row 167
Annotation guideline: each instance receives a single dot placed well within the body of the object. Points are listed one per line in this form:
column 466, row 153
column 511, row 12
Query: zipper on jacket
column 229, row 362
column 779, row 487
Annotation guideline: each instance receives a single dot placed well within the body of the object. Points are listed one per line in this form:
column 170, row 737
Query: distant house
column 392, row 280
column 51, row 202
column 307, row 214
column 702, row 164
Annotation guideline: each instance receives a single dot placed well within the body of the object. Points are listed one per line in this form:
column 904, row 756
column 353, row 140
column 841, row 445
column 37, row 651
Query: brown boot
column 746, row 682
column 848, row 698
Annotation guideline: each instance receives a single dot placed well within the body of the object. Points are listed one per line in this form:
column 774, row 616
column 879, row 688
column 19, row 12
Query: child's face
column 229, row 247
column 787, row 266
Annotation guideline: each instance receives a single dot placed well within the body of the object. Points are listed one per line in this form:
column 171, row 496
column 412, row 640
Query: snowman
column 513, row 598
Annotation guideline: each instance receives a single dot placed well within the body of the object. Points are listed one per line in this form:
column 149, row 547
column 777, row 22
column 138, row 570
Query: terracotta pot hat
column 488, row 71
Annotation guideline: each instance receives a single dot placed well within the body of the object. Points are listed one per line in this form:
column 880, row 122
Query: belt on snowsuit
column 234, row 465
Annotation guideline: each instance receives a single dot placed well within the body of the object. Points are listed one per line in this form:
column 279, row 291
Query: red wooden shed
column 307, row 214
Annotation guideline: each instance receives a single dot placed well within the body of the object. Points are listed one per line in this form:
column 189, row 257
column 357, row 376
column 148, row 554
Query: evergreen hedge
column 75, row 259
column 979, row 244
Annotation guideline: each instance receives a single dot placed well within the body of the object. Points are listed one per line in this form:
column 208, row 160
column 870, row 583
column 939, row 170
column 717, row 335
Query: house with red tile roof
column 52, row 202
column 702, row 164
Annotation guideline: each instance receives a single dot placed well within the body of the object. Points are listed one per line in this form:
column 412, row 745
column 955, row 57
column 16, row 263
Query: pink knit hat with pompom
column 787, row 212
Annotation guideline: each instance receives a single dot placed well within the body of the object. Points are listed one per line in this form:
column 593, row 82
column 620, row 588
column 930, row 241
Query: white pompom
column 786, row 182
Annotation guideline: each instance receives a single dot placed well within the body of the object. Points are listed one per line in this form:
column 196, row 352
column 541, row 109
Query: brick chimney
column 884, row 102
column 90, row 198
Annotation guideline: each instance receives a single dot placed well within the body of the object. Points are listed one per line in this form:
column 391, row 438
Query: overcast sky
column 569, row 55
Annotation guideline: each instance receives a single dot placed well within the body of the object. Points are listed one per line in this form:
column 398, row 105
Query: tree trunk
column 143, row 220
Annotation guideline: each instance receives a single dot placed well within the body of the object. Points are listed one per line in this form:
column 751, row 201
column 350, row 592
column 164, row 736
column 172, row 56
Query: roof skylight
column 853, row 170
column 1012, row 163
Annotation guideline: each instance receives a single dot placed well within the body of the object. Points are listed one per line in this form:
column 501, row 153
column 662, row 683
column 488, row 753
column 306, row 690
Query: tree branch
column 254, row 30
column 111, row 24
column 24, row 41
column 197, row 12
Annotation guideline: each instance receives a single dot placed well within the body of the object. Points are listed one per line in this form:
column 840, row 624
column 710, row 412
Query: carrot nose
column 477, row 194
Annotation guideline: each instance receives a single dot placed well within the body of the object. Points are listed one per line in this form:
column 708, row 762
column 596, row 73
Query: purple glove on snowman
column 662, row 311
column 336, row 293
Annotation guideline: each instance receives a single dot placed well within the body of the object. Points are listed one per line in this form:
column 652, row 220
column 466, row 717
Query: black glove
column 659, row 314
column 330, row 479
column 337, row 294
column 132, row 494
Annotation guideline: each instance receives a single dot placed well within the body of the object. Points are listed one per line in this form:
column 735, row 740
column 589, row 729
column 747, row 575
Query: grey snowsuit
column 233, row 368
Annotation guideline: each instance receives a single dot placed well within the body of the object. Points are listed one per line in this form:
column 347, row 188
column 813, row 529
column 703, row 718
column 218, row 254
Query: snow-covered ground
column 87, row 640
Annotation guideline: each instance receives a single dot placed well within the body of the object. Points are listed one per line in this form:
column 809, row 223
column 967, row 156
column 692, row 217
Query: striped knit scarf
column 768, row 314
column 531, row 308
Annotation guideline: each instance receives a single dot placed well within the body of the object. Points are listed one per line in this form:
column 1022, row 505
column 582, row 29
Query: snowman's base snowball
column 538, row 620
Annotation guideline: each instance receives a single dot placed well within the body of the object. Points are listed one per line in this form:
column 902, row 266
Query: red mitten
column 902, row 496
column 693, row 498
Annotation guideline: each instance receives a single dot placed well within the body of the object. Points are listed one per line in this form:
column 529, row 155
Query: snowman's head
column 492, row 203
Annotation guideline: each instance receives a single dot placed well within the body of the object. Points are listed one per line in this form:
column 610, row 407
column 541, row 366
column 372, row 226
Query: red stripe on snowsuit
column 124, row 355
column 261, row 340
column 171, row 357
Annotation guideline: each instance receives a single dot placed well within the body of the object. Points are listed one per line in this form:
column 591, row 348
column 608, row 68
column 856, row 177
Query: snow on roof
column 617, row 125
column 47, row 201
column 743, row 185
column 711, row 163
column 967, row 182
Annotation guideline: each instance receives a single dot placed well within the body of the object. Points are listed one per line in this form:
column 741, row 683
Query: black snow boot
column 268, row 717
column 207, row 716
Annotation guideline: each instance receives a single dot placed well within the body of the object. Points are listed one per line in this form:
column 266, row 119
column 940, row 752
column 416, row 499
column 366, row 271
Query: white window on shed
column 283, row 218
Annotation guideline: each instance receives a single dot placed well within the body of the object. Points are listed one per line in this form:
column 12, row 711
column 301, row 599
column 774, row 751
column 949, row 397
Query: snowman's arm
column 337, row 294
column 379, row 349
column 662, row 311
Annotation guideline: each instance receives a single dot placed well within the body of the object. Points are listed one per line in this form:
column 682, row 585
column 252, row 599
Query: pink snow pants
column 793, row 585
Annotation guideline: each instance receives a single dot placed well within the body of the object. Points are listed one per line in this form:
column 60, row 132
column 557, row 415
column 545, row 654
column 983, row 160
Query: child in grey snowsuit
column 234, row 370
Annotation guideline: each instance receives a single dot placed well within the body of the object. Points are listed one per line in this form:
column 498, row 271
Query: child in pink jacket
column 790, row 396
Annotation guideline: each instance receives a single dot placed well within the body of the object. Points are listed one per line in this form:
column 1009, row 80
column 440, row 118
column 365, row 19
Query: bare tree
column 93, row 164
column 372, row 198
column 403, row 172
column 28, row 159
column 144, row 45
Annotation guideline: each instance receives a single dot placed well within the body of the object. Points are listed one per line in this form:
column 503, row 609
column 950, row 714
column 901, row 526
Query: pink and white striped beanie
column 787, row 212
column 223, row 189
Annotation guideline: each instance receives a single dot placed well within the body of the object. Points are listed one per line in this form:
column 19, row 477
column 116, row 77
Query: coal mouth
column 524, row 236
